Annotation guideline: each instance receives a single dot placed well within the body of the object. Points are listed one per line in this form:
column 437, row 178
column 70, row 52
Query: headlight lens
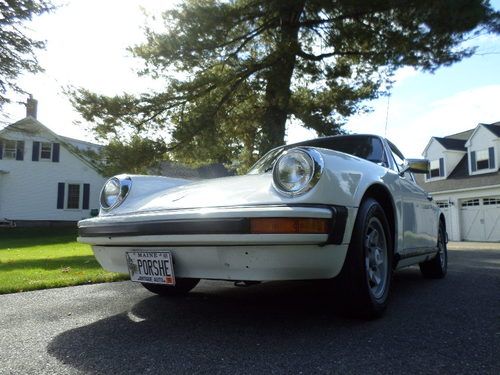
column 115, row 191
column 297, row 171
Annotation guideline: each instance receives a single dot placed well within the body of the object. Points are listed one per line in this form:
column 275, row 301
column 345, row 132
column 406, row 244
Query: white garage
column 480, row 219
column 464, row 180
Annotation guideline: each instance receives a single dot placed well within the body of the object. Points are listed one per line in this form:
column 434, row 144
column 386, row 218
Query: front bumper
column 257, row 263
column 216, row 243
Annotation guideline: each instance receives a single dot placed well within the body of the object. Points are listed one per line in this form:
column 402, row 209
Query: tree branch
column 312, row 57
column 354, row 15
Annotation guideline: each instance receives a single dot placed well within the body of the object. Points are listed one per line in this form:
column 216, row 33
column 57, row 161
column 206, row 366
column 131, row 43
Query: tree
column 236, row 71
column 17, row 49
column 138, row 156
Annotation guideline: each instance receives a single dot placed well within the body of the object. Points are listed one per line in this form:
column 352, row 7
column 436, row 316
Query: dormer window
column 437, row 168
column 482, row 160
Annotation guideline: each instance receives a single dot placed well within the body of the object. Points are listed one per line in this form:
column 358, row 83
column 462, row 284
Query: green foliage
column 17, row 49
column 136, row 155
column 236, row 71
column 139, row 155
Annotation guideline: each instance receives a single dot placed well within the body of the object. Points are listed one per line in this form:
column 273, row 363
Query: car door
column 418, row 213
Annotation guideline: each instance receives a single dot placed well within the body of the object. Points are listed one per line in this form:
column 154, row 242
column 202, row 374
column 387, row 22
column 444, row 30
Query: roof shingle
column 494, row 128
column 452, row 143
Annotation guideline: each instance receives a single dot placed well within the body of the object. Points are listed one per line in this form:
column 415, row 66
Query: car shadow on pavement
column 282, row 327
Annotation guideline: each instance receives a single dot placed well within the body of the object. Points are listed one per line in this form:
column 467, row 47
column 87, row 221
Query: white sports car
column 345, row 208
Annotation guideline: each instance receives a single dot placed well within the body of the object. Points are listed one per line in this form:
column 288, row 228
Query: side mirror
column 416, row 166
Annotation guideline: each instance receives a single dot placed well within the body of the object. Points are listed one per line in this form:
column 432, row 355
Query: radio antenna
column 387, row 114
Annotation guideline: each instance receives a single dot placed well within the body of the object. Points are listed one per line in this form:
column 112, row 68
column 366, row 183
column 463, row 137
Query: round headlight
column 297, row 171
column 115, row 191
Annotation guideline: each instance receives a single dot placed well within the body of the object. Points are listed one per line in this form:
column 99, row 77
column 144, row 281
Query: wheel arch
column 383, row 196
column 442, row 220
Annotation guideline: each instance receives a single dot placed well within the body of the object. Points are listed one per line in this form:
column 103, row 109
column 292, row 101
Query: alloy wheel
column 376, row 262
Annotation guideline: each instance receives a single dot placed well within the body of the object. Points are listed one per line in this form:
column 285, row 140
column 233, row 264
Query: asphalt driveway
column 449, row 326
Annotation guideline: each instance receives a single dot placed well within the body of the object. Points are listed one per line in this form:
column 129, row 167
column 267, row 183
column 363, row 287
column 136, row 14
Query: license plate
column 153, row 267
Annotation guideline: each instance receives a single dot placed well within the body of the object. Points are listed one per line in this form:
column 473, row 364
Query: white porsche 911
column 345, row 208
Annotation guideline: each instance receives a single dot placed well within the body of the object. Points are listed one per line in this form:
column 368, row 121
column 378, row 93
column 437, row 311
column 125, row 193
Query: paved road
column 449, row 326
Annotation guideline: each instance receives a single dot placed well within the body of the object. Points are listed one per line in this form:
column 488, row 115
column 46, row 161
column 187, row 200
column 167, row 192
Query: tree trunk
column 279, row 78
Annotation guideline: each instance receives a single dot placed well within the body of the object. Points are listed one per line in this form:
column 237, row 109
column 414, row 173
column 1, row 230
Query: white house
column 45, row 177
column 464, row 180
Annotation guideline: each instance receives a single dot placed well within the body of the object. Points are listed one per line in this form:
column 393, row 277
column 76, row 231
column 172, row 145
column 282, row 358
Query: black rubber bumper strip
column 202, row 226
column 169, row 227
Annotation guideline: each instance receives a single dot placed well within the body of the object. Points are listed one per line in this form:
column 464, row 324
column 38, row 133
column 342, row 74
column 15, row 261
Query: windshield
column 363, row 146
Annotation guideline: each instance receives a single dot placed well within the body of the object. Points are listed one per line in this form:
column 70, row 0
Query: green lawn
column 40, row 258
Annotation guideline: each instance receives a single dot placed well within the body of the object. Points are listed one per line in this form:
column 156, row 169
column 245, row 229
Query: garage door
column 480, row 219
column 445, row 209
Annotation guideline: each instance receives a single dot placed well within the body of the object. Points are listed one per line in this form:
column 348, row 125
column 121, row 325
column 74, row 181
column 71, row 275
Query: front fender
column 347, row 178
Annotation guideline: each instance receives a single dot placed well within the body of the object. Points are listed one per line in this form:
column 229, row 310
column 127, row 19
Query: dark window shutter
column 20, row 150
column 60, row 195
column 86, row 196
column 441, row 167
column 491, row 151
column 36, row 151
column 1, row 150
column 55, row 152
column 473, row 166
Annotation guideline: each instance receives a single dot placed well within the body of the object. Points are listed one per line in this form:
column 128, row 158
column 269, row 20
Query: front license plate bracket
column 153, row 267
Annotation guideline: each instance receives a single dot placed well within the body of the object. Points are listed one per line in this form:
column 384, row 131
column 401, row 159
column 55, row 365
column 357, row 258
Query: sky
column 86, row 47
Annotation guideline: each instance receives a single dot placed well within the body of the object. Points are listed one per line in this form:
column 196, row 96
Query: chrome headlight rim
column 317, row 166
column 124, row 184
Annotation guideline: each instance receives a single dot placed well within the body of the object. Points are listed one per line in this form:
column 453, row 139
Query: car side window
column 397, row 160
column 400, row 162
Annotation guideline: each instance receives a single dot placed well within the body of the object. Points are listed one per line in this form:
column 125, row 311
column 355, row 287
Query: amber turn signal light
column 289, row 226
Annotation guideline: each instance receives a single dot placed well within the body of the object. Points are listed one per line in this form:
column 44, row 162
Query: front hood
column 220, row 192
column 228, row 191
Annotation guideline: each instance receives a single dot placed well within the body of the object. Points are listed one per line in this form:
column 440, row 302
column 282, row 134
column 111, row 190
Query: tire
column 437, row 267
column 181, row 287
column 365, row 279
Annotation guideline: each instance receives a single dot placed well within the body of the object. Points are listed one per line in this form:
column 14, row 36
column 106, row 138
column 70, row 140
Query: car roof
column 327, row 138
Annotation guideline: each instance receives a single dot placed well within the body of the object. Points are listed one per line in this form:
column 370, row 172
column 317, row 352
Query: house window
column 45, row 151
column 482, row 159
column 491, row 201
column 73, row 196
column 9, row 149
column 443, row 204
column 470, row 203
column 437, row 168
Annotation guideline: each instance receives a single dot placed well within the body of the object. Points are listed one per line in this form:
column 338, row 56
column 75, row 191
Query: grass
column 40, row 258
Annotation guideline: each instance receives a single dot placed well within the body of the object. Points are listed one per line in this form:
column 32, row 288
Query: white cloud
column 411, row 123
column 403, row 74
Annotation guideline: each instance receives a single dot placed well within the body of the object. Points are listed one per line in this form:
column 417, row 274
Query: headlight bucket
column 114, row 191
column 297, row 171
